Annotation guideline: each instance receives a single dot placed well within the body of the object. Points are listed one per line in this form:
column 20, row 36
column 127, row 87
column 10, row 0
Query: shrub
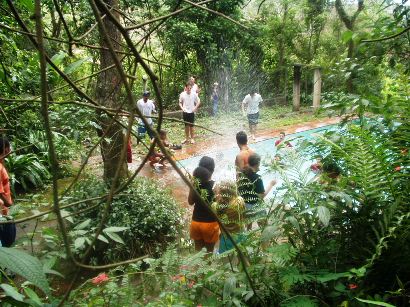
column 151, row 215
column 145, row 216
column 26, row 171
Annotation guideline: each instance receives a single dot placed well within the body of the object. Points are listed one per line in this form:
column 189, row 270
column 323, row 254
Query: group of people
column 189, row 102
column 236, row 203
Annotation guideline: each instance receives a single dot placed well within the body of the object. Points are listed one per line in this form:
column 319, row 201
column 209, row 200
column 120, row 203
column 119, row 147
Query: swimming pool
column 225, row 159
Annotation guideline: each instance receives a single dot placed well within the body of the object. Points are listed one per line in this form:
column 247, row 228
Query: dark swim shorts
column 189, row 118
column 253, row 118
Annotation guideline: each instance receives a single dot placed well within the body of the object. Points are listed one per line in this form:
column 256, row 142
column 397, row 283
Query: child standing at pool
column 204, row 228
column 230, row 207
column 251, row 188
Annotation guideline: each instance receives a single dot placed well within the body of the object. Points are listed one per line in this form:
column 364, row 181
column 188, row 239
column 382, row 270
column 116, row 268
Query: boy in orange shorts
column 204, row 228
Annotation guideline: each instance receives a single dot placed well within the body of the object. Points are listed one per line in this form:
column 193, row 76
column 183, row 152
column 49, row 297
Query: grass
column 273, row 117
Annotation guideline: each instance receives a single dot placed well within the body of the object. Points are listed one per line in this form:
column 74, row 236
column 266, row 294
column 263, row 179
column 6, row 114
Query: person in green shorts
column 231, row 209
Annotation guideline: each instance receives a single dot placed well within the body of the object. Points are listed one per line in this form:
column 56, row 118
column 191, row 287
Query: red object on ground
column 352, row 286
column 397, row 168
column 100, row 279
column 129, row 151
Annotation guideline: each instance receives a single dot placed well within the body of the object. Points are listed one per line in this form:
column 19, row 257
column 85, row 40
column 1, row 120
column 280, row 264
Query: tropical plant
column 26, row 171
column 144, row 215
column 31, row 269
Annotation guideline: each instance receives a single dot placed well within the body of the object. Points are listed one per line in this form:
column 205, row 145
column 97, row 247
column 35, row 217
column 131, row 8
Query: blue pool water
column 225, row 159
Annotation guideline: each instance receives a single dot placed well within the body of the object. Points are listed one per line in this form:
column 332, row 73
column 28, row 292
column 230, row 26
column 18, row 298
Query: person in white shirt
column 251, row 103
column 189, row 103
column 195, row 88
column 146, row 107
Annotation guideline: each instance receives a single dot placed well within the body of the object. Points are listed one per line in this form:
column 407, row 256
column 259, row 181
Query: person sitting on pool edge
column 157, row 157
column 251, row 188
column 204, row 229
column 281, row 139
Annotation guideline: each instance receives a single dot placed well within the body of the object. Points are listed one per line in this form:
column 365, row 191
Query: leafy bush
column 151, row 215
column 145, row 216
column 26, row 171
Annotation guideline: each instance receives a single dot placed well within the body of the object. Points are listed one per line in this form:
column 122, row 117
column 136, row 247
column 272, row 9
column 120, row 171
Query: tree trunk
column 107, row 94
column 297, row 73
column 349, row 22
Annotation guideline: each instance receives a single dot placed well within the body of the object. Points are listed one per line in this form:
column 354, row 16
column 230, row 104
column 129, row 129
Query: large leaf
column 12, row 292
column 375, row 302
column 28, row 4
column 75, row 66
column 324, row 215
column 58, row 57
column 113, row 236
column 115, row 229
column 24, row 265
column 268, row 233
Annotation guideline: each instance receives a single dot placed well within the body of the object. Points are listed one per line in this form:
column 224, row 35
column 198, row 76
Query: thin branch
column 47, row 126
column 89, row 30
column 386, row 37
column 216, row 13
column 67, row 30
column 165, row 16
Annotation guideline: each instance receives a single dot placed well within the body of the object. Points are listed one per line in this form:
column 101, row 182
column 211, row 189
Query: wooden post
column 317, row 87
column 297, row 73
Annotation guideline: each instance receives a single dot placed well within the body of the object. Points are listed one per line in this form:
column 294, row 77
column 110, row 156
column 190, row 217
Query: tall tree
column 349, row 22
column 107, row 94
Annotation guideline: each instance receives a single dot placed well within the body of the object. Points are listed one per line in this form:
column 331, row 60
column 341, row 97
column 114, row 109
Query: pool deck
column 170, row 179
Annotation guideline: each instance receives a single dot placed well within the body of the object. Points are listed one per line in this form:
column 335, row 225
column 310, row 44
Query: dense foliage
column 143, row 219
column 332, row 240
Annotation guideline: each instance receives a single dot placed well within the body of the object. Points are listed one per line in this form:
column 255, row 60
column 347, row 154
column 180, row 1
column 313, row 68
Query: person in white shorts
column 251, row 103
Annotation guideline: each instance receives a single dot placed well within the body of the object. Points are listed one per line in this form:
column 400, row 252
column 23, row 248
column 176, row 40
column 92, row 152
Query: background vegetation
column 339, row 242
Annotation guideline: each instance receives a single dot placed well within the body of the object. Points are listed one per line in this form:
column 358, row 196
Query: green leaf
column 54, row 272
column 324, row 215
column 58, row 57
column 79, row 242
column 24, row 265
column 229, row 287
column 300, row 301
column 115, row 229
column 268, row 233
column 332, row 276
column 12, row 292
column 83, row 224
column 33, row 297
column 28, row 4
column 102, row 238
column 113, row 236
column 347, row 36
column 294, row 222
column 75, row 66
column 378, row 303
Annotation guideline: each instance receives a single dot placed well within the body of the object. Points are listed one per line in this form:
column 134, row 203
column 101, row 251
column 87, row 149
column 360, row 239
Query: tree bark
column 349, row 22
column 297, row 73
column 107, row 94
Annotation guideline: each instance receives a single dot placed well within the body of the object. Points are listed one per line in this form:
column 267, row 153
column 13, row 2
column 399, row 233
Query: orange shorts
column 207, row 232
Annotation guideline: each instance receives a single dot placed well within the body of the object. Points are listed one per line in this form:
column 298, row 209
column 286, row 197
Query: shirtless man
column 241, row 160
